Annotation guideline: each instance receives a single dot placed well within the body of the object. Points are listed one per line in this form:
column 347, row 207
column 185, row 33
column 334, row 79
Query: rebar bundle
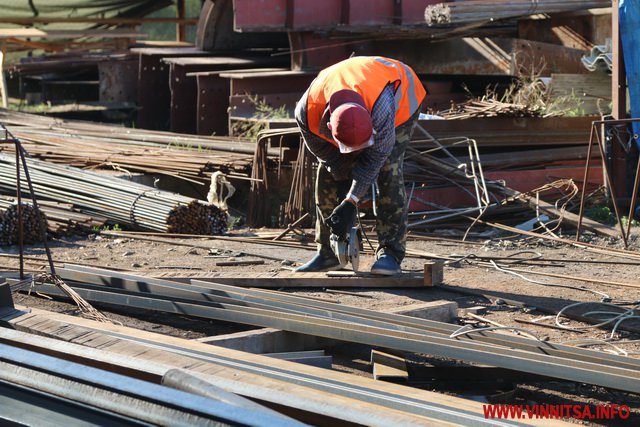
column 94, row 145
column 489, row 10
column 10, row 227
column 62, row 218
column 489, row 108
column 120, row 201
column 301, row 195
column 197, row 218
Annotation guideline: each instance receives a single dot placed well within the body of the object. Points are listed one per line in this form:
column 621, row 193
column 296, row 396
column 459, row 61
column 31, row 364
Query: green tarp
column 76, row 9
column 79, row 8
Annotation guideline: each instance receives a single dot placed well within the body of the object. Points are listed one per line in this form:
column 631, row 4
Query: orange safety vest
column 367, row 75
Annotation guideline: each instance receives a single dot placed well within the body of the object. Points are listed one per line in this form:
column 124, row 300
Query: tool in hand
column 345, row 238
column 347, row 249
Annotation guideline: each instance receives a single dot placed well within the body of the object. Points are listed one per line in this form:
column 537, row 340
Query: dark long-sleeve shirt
column 368, row 162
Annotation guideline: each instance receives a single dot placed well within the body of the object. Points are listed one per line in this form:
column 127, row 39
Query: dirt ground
column 582, row 276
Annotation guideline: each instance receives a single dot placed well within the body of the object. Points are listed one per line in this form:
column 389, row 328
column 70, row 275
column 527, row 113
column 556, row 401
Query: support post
column 3, row 80
column 180, row 27
column 618, row 106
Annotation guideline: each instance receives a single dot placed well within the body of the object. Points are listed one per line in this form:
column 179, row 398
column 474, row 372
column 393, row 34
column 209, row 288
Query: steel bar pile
column 85, row 144
column 120, row 201
column 300, row 196
column 489, row 108
column 62, row 218
column 490, row 10
column 197, row 218
column 32, row 219
column 298, row 392
column 259, row 209
column 296, row 314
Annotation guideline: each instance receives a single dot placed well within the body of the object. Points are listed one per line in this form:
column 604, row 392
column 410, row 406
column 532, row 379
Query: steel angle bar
column 210, row 300
column 25, row 406
column 213, row 301
column 350, row 411
column 446, row 329
column 197, row 295
column 405, row 323
column 435, row 410
column 171, row 303
column 124, row 395
column 182, row 380
column 542, row 364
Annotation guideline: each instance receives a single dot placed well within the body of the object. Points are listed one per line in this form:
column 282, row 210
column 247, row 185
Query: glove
column 342, row 218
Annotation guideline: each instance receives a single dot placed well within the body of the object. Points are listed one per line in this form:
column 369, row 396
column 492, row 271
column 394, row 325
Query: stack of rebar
column 120, row 201
column 301, row 198
column 94, row 145
column 489, row 10
column 32, row 220
column 489, row 108
column 197, row 218
column 259, row 209
column 62, row 218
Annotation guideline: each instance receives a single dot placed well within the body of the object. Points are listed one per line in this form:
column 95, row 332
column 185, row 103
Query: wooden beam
column 336, row 279
column 180, row 28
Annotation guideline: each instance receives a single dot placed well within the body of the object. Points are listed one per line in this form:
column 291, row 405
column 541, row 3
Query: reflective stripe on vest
column 368, row 76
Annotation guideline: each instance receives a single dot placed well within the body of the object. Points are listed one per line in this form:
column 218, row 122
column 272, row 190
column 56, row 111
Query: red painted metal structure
column 192, row 94
column 314, row 15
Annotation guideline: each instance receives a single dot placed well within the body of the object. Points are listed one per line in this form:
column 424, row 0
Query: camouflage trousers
column 391, row 200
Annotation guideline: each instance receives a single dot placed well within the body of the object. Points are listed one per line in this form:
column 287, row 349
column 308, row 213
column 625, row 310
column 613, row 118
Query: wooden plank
column 346, row 279
column 236, row 263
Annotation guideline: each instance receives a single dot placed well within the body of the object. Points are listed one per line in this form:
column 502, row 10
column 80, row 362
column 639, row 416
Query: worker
column 357, row 118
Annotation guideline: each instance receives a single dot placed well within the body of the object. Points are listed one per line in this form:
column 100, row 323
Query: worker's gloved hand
column 343, row 218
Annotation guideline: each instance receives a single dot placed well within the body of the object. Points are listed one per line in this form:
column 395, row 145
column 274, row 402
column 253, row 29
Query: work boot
column 320, row 262
column 386, row 265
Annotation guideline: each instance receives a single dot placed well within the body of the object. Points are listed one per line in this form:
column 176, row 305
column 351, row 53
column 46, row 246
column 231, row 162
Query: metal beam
column 296, row 304
column 122, row 395
column 542, row 364
column 331, row 394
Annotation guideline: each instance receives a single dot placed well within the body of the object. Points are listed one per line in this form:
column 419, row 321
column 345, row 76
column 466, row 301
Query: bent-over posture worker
column 357, row 118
